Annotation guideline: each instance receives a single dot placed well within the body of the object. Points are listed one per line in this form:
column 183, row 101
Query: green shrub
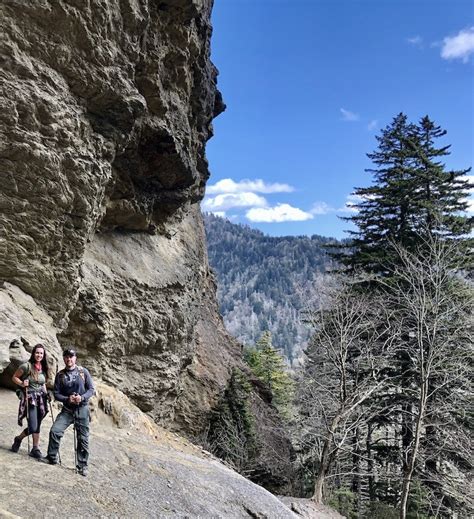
column 343, row 500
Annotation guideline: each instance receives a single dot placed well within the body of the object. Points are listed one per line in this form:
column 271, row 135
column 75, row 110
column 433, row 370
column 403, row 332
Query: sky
column 308, row 85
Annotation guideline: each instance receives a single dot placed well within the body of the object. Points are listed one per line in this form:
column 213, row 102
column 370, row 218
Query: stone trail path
column 131, row 475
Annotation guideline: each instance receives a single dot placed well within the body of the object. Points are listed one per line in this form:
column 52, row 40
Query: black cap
column 69, row 352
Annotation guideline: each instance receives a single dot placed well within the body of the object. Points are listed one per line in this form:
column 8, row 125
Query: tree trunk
column 326, row 460
column 370, row 464
column 412, row 456
column 323, row 469
column 356, row 468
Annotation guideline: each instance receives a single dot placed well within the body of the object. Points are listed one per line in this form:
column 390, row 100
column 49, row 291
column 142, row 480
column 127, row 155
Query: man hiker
column 73, row 387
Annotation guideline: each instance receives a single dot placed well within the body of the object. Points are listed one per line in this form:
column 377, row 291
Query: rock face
column 105, row 110
column 23, row 324
column 147, row 322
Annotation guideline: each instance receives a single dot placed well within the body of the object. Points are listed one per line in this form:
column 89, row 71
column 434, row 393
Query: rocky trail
column 138, row 471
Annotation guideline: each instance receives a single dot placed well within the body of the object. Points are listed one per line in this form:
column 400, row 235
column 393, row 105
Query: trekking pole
column 27, row 417
column 75, row 441
column 52, row 419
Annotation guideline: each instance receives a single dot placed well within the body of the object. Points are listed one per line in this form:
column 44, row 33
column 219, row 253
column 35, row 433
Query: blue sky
column 308, row 85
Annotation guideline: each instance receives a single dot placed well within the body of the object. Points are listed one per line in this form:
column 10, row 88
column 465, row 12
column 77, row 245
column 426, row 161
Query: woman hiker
column 31, row 377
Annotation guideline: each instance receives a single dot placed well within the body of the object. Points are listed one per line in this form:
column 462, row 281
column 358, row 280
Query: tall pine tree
column 413, row 200
column 269, row 366
column 441, row 196
column 412, row 195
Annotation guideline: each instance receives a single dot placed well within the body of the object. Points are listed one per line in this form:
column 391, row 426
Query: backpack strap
column 26, row 373
column 81, row 373
column 62, row 374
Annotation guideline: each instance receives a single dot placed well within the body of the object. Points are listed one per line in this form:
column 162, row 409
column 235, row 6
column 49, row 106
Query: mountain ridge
column 267, row 283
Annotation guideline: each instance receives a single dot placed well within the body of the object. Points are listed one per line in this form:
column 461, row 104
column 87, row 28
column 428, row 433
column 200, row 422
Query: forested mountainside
column 265, row 282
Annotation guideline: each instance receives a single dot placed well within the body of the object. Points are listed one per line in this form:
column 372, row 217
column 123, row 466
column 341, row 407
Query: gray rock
column 138, row 471
column 105, row 110
column 23, row 324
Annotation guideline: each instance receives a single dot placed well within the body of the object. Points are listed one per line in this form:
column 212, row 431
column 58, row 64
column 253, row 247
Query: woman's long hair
column 44, row 362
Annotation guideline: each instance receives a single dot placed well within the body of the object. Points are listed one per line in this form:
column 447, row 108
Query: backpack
column 19, row 392
column 80, row 369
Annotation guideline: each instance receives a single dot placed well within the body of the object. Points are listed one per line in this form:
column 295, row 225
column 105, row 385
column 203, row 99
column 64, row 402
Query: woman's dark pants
column 34, row 419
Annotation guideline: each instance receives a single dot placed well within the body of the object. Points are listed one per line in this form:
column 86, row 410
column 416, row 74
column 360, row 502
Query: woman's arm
column 17, row 380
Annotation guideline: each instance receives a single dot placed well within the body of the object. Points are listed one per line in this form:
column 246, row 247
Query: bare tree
column 394, row 364
column 432, row 327
column 346, row 366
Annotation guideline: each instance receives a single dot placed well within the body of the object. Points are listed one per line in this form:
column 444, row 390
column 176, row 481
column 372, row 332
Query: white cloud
column 321, row 208
column 279, row 213
column 226, row 201
column 470, row 201
column 460, row 46
column 227, row 185
column 348, row 115
column 416, row 40
column 372, row 125
column 352, row 202
column 350, row 205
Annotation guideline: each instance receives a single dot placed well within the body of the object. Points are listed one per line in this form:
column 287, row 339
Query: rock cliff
column 105, row 110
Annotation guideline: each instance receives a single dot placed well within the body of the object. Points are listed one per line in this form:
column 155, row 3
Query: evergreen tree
column 268, row 365
column 441, row 195
column 412, row 195
column 415, row 202
column 231, row 434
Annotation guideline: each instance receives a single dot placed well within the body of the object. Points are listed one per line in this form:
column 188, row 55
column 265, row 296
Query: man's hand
column 75, row 399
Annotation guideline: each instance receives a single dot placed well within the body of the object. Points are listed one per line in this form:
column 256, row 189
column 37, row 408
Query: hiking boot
column 36, row 453
column 51, row 460
column 82, row 471
column 16, row 444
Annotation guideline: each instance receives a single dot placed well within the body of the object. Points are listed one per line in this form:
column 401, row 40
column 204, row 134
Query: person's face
column 39, row 354
column 70, row 361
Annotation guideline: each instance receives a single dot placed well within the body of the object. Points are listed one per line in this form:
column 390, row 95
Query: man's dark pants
column 64, row 419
